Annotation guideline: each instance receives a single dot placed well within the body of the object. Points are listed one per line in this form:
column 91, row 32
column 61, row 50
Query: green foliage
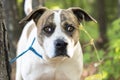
column 114, row 50
column 89, row 52
column 19, row 1
column 114, row 37
column 92, row 28
column 114, row 30
column 70, row 3
column 20, row 9
column 52, row 3
column 111, row 57
column 111, row 10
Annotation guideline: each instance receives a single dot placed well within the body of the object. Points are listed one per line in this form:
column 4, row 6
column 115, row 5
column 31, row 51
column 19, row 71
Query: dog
column 56, row 34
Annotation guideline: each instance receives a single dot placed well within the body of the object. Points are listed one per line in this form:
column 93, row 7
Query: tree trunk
column 4, row 63
column 42, row 2
column 36, row 3
column 12, row 18
column 102, row 23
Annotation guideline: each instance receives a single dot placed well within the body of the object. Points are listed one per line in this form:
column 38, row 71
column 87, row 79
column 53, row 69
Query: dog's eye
column 69, row 28
column 48, row 29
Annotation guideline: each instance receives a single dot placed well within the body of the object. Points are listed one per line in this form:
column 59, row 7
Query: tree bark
column 42, row 2
column 12, row 18
column 36, row 3
column 4, row 63
column 102, row 23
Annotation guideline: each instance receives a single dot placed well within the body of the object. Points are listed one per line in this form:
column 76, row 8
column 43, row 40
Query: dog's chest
column 51, row 72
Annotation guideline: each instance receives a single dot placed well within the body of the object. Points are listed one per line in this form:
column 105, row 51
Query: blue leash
column 31, row 49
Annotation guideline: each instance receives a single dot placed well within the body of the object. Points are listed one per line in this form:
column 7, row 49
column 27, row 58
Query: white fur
column 31, row 67
column 28, row 6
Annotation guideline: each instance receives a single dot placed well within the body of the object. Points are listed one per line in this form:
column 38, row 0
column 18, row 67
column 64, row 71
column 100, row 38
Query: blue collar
column 31, row 49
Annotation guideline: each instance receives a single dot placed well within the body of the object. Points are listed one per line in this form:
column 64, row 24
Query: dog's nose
column 61, row 48
column 60, row 44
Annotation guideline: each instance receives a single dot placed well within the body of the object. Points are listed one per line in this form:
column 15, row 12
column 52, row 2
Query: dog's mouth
column 60, row 55
column 63, row 56
column 61, row 52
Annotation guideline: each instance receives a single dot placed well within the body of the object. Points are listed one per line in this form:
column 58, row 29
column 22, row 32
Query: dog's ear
column 81, row 14
column 35, row 15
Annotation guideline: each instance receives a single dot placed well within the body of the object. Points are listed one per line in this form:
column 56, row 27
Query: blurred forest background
column 106, row 33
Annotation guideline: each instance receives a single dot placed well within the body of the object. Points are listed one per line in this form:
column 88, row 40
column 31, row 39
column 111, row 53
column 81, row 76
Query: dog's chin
column 57, row 59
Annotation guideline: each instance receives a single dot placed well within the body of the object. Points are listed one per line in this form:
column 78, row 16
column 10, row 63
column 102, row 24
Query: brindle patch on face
column 45, row 20
column 49, row 24
column 67, row 17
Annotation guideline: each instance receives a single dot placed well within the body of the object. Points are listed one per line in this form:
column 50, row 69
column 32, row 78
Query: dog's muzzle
column 61, row 48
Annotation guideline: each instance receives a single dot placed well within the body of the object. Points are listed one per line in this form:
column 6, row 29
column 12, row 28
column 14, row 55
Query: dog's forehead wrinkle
column 49, row 19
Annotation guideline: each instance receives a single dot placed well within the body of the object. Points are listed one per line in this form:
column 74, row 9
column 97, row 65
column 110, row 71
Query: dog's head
column 58, row 30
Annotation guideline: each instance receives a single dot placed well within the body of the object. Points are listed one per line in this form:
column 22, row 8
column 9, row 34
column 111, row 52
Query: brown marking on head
column 46, row 20
column 73, row 17
column 68, row 19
